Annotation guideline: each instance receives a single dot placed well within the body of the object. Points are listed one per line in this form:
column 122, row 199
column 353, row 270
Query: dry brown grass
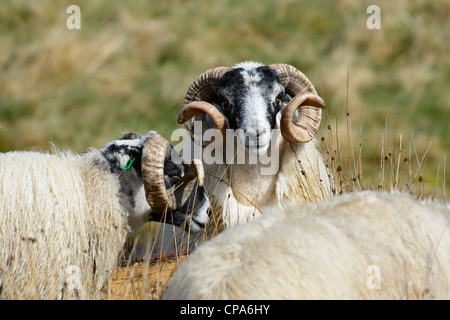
column 142, row 280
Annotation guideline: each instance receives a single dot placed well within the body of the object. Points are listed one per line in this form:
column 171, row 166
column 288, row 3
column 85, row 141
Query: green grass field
column 130, row 64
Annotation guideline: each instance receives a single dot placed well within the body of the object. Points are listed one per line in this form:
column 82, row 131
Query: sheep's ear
column 124, row 154
column 130, row 136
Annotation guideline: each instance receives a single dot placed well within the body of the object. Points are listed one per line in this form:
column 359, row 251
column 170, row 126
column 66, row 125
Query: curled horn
column 308, row 122
column 306, row 101
column 155, row 152
column 197, row 103
column 199, row 108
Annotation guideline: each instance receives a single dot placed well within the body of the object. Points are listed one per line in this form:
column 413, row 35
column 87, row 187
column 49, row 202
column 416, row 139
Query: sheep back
column 331, row 250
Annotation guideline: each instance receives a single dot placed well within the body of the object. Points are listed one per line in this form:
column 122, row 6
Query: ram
column 64, row 217
column 255, row 102
column 362, row 245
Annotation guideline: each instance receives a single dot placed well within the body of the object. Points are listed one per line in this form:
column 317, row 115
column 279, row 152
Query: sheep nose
column 256, row 133
column 254, row 137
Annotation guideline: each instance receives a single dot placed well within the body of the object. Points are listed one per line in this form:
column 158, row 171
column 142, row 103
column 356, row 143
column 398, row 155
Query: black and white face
column 124, row 159
column 250, row 97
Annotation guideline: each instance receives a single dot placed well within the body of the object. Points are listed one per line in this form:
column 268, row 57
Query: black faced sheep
column 64, row 217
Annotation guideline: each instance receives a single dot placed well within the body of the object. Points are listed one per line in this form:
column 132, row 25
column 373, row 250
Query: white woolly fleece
column 363, row 245
column 75, row 244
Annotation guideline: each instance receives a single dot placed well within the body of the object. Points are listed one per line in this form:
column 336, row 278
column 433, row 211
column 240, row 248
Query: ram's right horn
column 201, row 107
column 197, row 103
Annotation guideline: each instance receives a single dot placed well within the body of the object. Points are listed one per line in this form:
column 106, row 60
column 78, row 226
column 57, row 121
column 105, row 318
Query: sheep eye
column 225, row 102
column 279, row 97
column 278, row 101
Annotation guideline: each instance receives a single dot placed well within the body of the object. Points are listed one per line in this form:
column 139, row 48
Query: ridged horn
column 308, row 121
column 197, row 103
column 155, row 152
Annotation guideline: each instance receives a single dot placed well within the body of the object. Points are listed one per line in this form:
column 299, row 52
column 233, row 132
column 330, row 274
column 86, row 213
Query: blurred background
column 131, row 63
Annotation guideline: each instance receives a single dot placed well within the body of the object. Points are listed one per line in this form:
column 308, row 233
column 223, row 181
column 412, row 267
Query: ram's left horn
column 309, row 108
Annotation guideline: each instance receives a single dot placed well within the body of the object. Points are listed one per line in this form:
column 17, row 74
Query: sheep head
column 167, row 185
column 248, row 97
column 171, row 185
column 172, row 188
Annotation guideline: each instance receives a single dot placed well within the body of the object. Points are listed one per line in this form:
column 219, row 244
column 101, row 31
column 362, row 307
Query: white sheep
column 64, row 217
column 362, row 245
column 255, row 102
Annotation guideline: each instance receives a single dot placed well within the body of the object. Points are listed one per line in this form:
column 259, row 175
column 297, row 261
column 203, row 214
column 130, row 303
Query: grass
column 130, row 65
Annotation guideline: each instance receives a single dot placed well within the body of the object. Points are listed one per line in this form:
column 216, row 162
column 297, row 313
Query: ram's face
column 247, row 98
column 250, row 100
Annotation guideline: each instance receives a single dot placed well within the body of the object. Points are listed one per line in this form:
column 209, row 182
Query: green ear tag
column 129, row 164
